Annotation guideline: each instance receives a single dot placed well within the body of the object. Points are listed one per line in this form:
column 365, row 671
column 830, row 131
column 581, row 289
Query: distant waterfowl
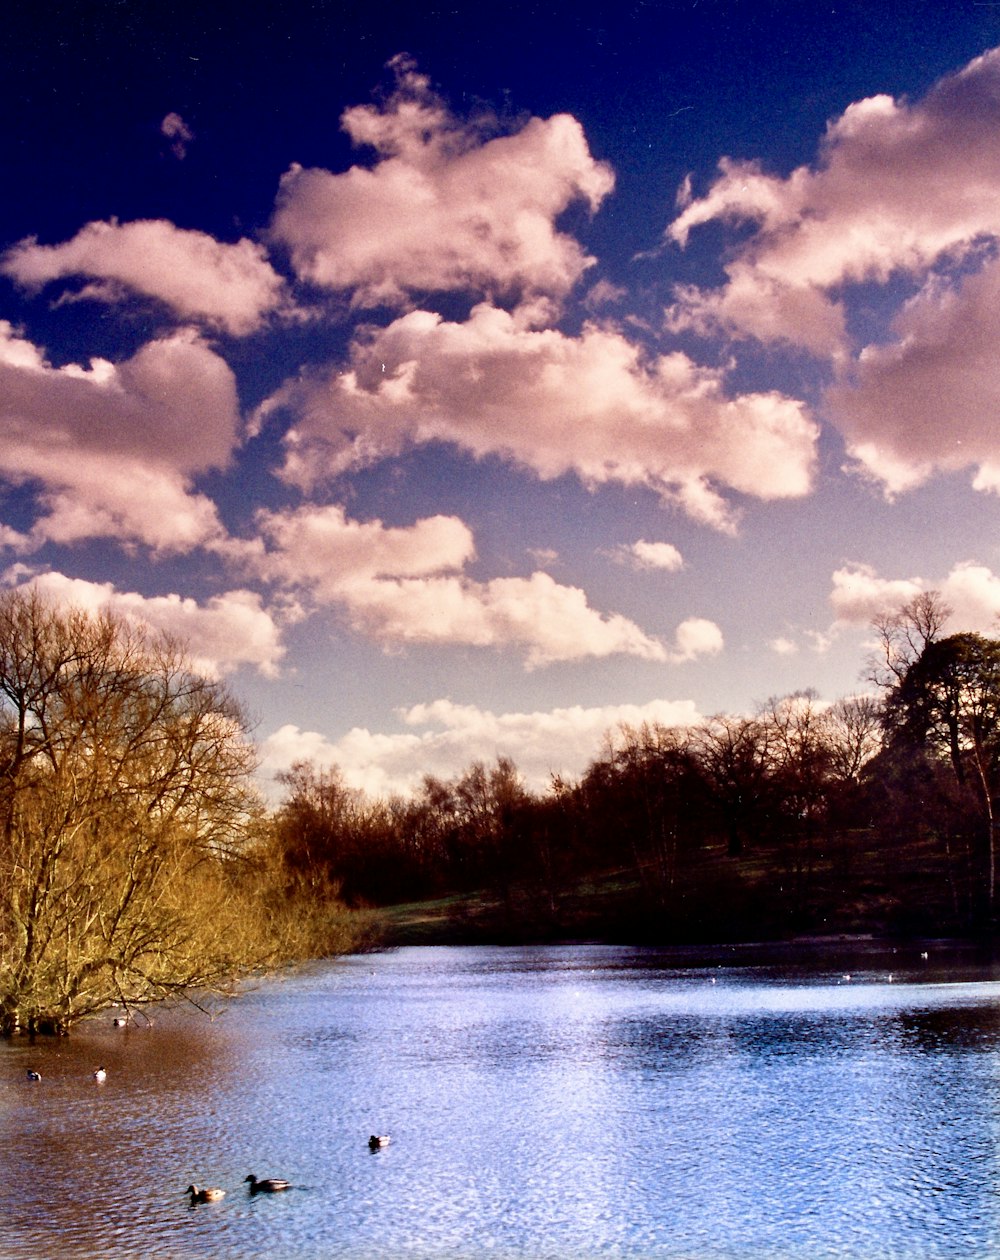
column 267, row 1185
column 121, row 1021
column 100, row 1076
column 33, row 1075
column 211, row 1194
column 377, row 1141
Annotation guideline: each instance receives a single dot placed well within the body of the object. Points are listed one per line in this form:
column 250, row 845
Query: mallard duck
column 33, row 1075
column 100, row 1076
column 210, row 1195
column 377, row 1141
column 267, row 1185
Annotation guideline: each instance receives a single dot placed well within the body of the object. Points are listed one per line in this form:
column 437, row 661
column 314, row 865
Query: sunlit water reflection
column 549, row 1102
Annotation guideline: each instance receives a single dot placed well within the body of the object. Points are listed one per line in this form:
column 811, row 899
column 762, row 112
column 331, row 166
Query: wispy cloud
column 178, row 133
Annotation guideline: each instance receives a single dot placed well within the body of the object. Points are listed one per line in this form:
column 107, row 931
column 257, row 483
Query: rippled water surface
column 546, row 1102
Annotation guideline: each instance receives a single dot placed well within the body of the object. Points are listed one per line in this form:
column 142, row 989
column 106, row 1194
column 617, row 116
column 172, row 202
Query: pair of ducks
column 100, row 1076
column 258, row 1185
column 266, row 1185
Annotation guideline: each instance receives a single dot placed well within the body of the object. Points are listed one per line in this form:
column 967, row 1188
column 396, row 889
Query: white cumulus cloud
column 696, row 637
column 898, row 187
column 230, row 287
column 228, row 631
column 591, row 404
column 407, row 585
column 445, row 207
column 970, row 589
column 650, row 555
column 443, row 738
column 928, row 400
column 547, row 621
column 112, row 447
column 322, row 547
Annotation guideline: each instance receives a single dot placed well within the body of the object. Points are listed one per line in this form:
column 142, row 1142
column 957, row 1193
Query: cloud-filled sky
column 461, row 382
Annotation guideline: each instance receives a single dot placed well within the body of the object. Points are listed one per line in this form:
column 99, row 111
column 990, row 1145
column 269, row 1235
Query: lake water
column 556, row 1102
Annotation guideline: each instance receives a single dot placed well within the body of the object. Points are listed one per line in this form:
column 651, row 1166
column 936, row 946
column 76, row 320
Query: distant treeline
column 877, row 813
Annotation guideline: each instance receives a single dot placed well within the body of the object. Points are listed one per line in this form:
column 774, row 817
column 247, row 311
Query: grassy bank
column 849, row 889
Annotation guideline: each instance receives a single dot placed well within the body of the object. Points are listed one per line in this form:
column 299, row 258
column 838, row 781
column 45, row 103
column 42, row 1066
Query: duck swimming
column 100, row 1076
column 267, row 1185
column 211, row 1194
column 377, row 1141
column 33, row 1075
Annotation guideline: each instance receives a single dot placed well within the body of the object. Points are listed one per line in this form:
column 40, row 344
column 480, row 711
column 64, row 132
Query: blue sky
column 460, row 382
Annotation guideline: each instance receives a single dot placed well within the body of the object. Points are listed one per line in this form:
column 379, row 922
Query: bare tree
column 854, row 735
column 736, row 758
column 903, row 634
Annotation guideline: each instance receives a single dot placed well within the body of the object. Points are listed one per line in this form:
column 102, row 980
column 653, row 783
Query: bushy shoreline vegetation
column 138, row 861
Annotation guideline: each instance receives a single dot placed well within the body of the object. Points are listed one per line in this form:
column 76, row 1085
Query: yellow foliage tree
column 127, row 808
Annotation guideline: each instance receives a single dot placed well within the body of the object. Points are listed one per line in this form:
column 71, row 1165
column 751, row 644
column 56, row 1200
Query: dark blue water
column 546, row 1102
